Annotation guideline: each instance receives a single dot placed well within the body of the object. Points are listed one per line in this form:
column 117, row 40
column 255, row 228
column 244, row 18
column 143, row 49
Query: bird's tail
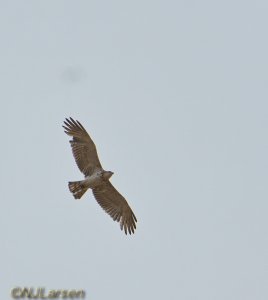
column 77, row 188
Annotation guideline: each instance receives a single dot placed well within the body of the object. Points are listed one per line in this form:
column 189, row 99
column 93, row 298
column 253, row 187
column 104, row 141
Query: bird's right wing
column 116, row 206
column 84, row 149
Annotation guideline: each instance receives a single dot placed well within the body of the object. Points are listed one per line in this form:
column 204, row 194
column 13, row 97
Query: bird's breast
column 93, row 180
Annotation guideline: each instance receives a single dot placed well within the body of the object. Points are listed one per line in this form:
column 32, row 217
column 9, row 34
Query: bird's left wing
column 116, row 206
column 84, row 149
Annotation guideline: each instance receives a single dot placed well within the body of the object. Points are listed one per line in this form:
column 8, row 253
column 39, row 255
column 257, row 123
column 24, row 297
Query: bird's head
column 107, row 174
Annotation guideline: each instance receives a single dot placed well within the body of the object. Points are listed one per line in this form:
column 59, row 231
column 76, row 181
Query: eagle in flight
column 96, row 178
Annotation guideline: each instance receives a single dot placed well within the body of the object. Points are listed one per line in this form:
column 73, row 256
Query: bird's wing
column 84, row 149
column 116, row 206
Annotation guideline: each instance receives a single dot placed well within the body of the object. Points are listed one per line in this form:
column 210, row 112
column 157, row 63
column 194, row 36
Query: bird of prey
column 96, row 178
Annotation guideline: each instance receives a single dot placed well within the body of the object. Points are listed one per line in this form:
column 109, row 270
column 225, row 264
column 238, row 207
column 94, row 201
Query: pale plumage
column 96, row 178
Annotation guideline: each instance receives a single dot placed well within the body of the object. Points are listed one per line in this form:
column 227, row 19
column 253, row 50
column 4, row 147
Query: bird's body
column 96, row 178
column 93, row 180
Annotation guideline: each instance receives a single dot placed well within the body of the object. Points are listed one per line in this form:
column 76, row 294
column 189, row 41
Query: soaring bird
column 96, row 178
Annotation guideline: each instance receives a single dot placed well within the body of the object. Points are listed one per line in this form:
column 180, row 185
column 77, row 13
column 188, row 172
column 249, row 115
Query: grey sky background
column 174, row 94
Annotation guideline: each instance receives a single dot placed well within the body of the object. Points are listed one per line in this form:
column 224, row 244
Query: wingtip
column 69, row 120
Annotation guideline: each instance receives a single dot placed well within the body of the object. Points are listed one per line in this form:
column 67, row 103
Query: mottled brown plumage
column 96, row 178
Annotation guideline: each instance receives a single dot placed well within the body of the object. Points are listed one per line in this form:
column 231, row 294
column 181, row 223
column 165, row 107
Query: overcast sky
column 174, row 94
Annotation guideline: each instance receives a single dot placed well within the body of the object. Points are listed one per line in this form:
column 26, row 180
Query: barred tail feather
column 77, row 188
